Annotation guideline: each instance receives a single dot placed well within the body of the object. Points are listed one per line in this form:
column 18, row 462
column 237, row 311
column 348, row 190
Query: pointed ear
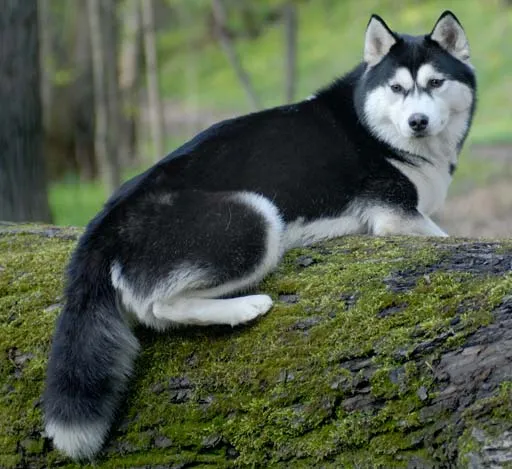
column 378, row 40
column 448, row 33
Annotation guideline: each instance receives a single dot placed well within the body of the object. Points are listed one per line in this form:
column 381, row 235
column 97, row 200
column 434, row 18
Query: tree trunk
column 83, row 97
column 45, row 52
column 111, row 37
column 130, row 79
column 219, row 14
column 68, row 106
column 154, row 100
column 23, row 192
column 378, row 353
column 192, row 107
column 290, row 25
column 108, row 162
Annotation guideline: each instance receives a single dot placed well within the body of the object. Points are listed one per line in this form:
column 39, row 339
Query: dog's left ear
column 448, row 33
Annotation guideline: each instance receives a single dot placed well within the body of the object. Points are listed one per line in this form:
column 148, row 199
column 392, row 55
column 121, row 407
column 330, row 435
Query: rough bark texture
column 23, row 195
column 378, row 353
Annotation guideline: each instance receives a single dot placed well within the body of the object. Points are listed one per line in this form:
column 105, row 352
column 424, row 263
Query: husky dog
column 373, row 153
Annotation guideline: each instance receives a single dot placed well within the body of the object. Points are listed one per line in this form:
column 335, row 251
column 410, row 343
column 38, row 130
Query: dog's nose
column 418, row 122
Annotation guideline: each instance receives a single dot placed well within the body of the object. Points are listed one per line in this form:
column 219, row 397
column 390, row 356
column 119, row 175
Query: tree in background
column 154, row 99
column 291, row 31
column 101, row 21
column 82, row 98
column 23, row 194
column 226, row 41
column 67, row 89
column 130, row 68
column 103, row 102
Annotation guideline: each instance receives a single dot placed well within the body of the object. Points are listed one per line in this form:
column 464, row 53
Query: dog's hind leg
column 204, row 311
column 216, row 245
column 396, row 222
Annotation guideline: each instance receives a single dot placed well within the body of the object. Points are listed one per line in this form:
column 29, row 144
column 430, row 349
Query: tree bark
column 291, row 26
column 154, row 99
column 107, row 159
column 220, row 18
column 378, row 353
column 23, row 192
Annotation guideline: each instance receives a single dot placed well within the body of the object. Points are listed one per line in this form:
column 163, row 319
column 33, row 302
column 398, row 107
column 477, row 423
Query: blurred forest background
column 94, row 91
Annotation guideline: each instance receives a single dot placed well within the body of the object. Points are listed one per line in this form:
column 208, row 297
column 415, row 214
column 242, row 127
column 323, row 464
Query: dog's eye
column 396, row 88
column 435, row 83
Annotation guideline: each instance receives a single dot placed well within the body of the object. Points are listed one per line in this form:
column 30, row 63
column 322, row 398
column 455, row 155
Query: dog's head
column 417, row 88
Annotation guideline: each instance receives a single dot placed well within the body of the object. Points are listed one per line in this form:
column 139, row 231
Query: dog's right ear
column 378, row 40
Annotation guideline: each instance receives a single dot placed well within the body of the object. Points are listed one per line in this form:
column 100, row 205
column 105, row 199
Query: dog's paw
column 250, row 307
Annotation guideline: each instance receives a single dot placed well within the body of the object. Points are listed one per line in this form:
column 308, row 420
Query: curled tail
column 91, row 359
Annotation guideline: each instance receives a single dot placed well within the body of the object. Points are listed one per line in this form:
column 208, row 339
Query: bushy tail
column 91, row 359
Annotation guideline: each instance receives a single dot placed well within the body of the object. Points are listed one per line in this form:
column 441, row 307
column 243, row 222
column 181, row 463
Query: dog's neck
column 438, row 150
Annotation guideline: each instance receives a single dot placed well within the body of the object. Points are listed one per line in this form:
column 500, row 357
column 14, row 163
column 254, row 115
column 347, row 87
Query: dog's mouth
column 416, row 135
column 422, row 134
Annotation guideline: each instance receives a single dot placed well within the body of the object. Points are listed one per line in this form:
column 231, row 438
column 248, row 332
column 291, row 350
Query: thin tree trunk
column 109, row 165
column 45, row 51
column 191, row 73
column 23, row 192
column 129, row 79
column 291, row 27
column 219, row 13
column 155, row 104
column 83, row 97
column 111, row 37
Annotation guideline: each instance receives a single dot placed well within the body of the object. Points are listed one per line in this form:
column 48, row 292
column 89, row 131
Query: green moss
column 32, row 445
column 276, row 393
column 31, row 271
column 9, row 461
column 478, row 433
column 382, row 386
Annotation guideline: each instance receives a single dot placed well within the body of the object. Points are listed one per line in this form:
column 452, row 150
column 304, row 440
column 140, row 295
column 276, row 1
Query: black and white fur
column 372, row 153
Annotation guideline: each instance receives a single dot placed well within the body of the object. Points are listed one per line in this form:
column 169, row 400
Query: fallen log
column 378, row 353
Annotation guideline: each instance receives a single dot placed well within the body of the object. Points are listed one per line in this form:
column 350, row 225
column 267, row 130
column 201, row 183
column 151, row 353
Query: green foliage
column 330, row 43
column 74, row 203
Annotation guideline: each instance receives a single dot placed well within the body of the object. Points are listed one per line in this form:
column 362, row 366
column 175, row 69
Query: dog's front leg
column 396, row 222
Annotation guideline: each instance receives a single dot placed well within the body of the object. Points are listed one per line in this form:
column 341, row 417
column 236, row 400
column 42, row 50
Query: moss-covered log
column 378, row 353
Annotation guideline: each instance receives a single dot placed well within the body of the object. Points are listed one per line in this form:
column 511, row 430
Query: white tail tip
column 77, row 441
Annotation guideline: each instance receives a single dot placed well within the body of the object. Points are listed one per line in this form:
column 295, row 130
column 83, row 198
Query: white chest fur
column 431, row 181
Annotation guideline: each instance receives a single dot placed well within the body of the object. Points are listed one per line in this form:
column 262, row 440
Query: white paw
column 250, row 307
